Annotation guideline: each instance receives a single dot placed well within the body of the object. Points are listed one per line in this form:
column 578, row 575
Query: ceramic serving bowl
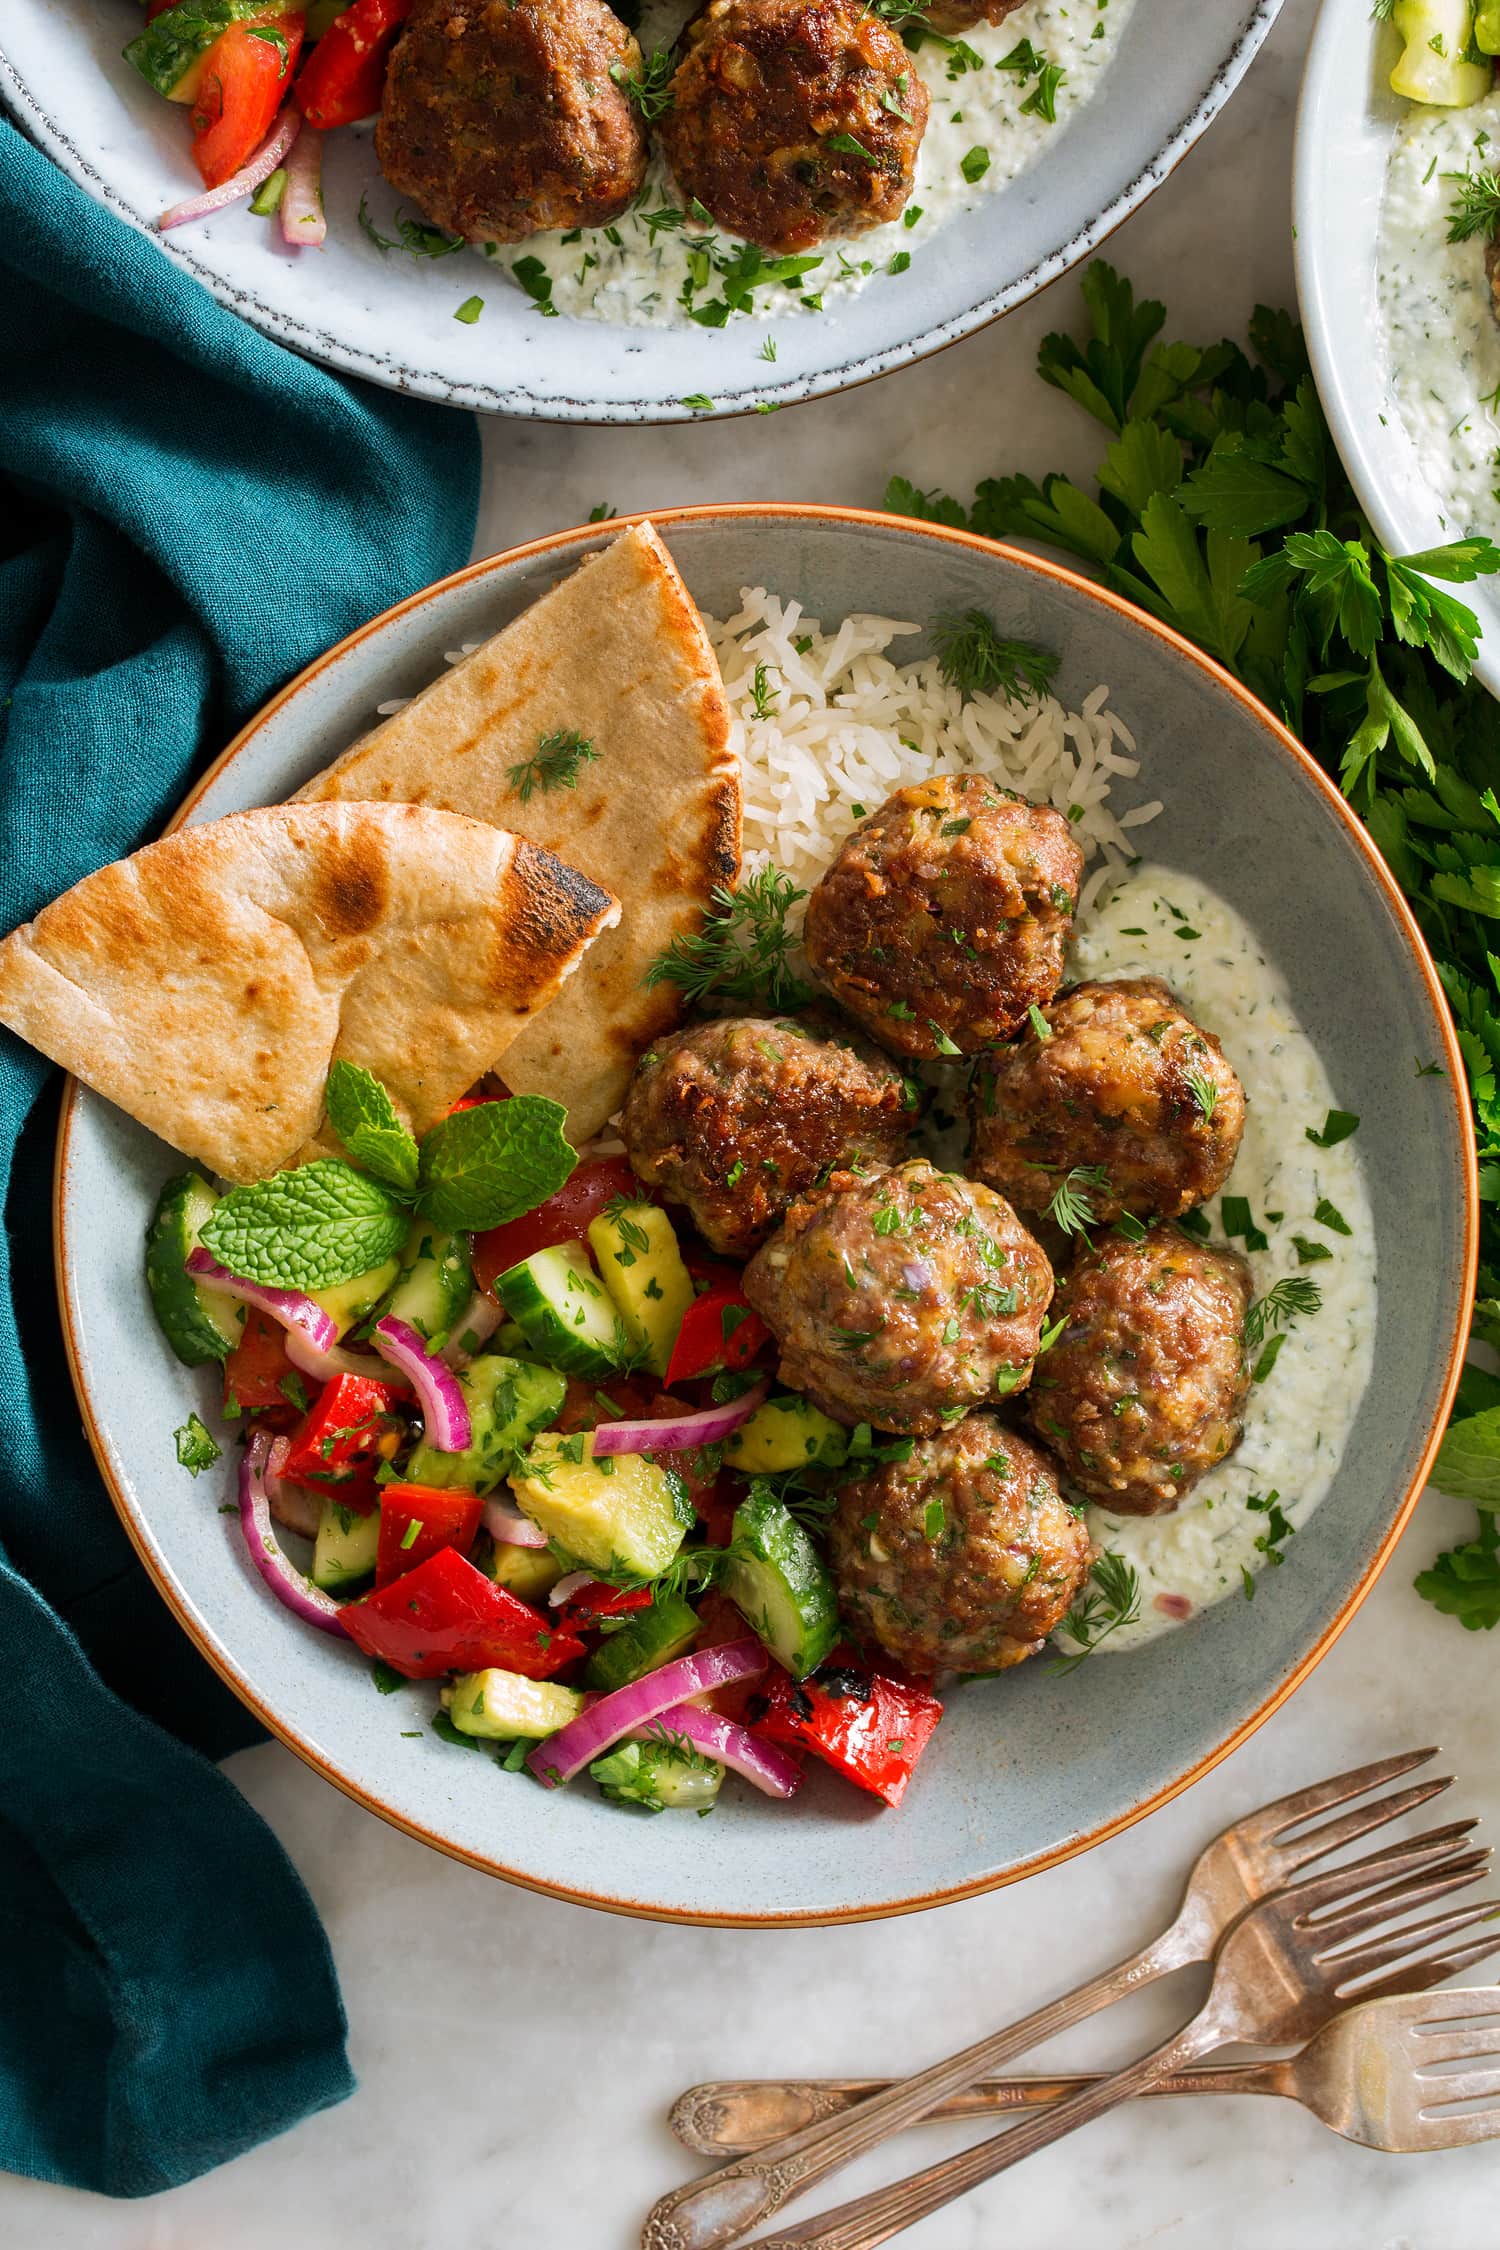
column 1026, row 1769
column 391, row 317
column 1347, row 122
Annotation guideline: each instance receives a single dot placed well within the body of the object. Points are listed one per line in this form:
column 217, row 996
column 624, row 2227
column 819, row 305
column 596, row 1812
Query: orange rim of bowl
column 1272, row 728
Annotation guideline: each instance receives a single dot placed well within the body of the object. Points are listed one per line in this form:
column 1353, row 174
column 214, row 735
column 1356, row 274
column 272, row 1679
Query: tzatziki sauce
column 1309, row 1203
column 989, row 119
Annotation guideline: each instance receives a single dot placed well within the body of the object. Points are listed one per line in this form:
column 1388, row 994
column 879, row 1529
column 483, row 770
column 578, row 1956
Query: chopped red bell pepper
column 718, row 1330
column 247, row 73
column 349, row 1432
column 446, row 1616
column 416, row 1520
column 345, row 74
column 564, row 1217
column 599, row 1599
column 869, row 1726
column 258, row 1376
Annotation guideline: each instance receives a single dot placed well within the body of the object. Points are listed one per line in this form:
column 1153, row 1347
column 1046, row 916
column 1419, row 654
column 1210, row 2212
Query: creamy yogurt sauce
column 1442, row 339
column 1163, row 923
column 639, row 270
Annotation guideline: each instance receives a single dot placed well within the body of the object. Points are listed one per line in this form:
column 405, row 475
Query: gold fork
column 1252, row 1858
column 1342, row 2076
column 1283, row 1971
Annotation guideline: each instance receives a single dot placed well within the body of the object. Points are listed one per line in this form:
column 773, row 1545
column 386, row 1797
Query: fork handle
column 873, row 2219
column 736, row 2116
column 725, row 2204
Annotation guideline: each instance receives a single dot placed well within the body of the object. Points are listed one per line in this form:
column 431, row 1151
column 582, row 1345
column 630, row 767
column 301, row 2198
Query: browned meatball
column 1146, row 1387
column 738, row 1118
column 1120, row 1082
column 902, row 1298
column 503, row 118
column 794, row 120
column 949, row 16
column 943, row 919
column 965, row 1556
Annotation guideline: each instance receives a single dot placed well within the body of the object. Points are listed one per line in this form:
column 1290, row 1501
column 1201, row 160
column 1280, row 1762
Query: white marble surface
column 516, row 2057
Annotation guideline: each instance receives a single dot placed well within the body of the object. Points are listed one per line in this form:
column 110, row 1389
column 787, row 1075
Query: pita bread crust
column 207, row 983
column 617, row 652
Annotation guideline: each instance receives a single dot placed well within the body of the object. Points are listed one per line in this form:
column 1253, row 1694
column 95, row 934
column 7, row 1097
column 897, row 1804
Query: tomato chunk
column 416, row 1520
column 345, row 74
column 869, row 1726
column 349, row 1432
column 564, row 1217
column 247, row 74
column 719, row 1330
column 446, row 1616
column 258, row 1376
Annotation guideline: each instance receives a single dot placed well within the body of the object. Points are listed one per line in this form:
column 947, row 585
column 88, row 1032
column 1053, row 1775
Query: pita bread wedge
column 207, row 983
column 616, row 654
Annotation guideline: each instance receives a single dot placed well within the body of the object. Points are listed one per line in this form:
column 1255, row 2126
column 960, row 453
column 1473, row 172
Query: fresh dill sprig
column 763, row 697
column 1476, row 208
column 650, row 87
column 559, row 756
column 1289, row 1300
column 1112, row 1598
column 1070, row 1208
column 416, row 238
column 973, row 658
column 743, row 951
column 1205, row 1094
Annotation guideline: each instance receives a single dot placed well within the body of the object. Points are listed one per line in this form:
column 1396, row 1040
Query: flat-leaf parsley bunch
column 1221, row 507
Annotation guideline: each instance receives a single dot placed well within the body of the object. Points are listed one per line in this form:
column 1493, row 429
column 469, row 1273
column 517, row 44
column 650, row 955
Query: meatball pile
column 902, row 1298
column 502, row 118
column 738, row 1118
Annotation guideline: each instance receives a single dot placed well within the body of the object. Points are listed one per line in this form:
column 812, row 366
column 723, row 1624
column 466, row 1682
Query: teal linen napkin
column 187, row 514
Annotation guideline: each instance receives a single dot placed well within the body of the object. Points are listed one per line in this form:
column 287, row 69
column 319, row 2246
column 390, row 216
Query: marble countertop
column 517, row 2057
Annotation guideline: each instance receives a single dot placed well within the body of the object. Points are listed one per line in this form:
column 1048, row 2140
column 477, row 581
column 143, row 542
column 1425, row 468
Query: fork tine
column 1303, row 1803
column 1458, row 2086
column 1335, row 1834
column 1396, row 1863
column 1396, row 1898
column 1420, row 1976
column 1411, row 1941
column 1458, row 2132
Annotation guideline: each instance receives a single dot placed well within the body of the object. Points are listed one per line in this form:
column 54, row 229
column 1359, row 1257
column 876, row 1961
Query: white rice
column 848, row 724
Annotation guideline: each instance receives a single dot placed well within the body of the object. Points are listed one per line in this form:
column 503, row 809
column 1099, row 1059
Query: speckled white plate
column 1347, row 121
column 391, row 318
column 1026, row 1769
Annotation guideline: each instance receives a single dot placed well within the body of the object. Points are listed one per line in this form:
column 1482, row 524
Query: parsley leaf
column 196, row 1448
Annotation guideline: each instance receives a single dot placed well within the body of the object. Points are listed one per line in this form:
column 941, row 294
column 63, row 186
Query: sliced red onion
column 481, row 1317
column 245, row 182
column 323, row 1364
column 679, row 1433
column 764, row 1763
column 629, row 1708
column 567, row 1587
column 289, row 1306
column 445, row 1412
column 508, row 1525
column 302, row 220
column 278, row 1570
column 291, row 1504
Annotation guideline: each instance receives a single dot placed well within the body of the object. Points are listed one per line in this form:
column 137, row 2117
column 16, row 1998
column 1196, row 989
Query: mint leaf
column 307, row 1229
column 196, row 1449
column 1338, row 1125
column 483, row 1167
column 363, row 1115
column 1468, row 1462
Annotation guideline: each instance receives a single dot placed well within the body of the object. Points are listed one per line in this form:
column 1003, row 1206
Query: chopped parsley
column 196, row 1448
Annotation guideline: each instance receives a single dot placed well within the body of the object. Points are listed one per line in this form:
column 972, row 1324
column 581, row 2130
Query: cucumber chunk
column 565, row 1312
column 503, row 1707
column 785, row 1433
column 435, row 1283
column 169, row 52
column 1439, row 65
column 781, row 1586
column 653, row 1637
column 642, row 1269
column 199, row 1324
column 509, row 1400
column 345, row 1548
column 660, row 1774
column 622, row 1510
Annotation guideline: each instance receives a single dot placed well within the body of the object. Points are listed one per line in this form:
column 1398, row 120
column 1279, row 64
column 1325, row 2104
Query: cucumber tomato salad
column 523, row 1420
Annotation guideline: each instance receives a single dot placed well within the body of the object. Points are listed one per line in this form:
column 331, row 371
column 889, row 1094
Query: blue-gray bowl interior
column 1025, row 1766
